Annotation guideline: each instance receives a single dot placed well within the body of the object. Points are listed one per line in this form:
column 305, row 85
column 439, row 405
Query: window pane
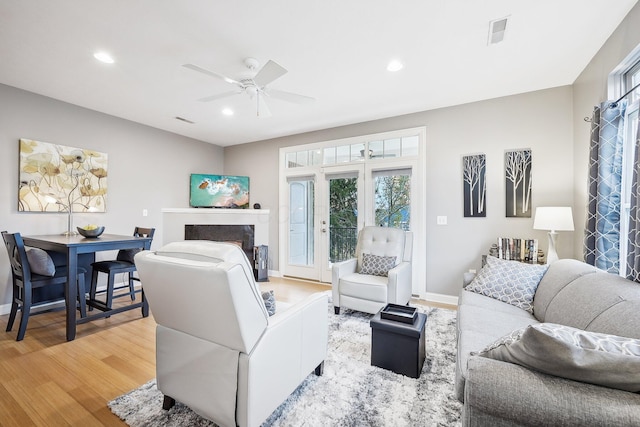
column 329, row 156
column 376, row 150
column 301, row 158
column 343, row 218
column 357, row 152
column 635, row 80
column 316, row 157
column 393, row 201
column 392, row 147
column 301, row 232
column 291, row 160
column 410, row 146
column 343, row 154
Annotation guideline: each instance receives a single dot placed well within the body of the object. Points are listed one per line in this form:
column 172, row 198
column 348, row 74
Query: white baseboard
column 440, row 298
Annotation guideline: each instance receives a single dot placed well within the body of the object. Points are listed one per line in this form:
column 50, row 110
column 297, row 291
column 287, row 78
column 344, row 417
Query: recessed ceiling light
column 227, row 112
column 104, row 57
column 394, row 66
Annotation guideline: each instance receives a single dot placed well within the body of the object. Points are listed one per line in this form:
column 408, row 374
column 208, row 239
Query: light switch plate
column 441, row 220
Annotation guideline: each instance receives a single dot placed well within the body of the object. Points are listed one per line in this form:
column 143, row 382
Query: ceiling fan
column 256, row 86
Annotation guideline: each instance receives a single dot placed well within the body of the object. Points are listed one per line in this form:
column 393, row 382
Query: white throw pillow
column 512, row 282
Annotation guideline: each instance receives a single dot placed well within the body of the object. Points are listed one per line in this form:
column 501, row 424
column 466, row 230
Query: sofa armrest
column 500, row 393
column 400, row 285
column 338, row 270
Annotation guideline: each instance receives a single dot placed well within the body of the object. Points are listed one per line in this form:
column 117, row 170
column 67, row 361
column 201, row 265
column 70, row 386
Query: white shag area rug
column 351, row 392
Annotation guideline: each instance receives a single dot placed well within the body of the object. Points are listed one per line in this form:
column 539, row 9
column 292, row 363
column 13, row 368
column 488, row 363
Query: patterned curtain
column 602, row 233
column 633, row 254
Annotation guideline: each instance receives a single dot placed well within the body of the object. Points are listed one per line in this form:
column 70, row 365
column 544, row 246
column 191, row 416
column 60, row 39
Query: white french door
column 330, row 190
column 341, row 215
column 301, row 238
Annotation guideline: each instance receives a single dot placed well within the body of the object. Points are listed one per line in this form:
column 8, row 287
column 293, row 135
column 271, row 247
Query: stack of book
column 523, row 250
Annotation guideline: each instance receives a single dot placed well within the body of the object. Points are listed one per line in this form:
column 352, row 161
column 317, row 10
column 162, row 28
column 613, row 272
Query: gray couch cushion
column 622, row 319
column 501, row 393
column 588, row 297
column 474, row 299
column 567, row 352
column 559, row 275
column 487, row 320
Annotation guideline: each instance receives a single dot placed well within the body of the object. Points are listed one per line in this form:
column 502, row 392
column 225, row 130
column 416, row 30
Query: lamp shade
column 553, row 218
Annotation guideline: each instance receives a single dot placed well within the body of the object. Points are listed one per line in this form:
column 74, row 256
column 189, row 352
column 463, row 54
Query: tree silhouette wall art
column 517, row 169
column 474, row 185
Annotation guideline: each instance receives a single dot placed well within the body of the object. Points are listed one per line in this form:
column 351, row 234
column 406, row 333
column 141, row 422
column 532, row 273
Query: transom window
column 398, row 147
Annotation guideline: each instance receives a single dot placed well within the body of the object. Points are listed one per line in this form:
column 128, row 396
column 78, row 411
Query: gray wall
column 590, row 89
column 539, row 120
column 148, row 168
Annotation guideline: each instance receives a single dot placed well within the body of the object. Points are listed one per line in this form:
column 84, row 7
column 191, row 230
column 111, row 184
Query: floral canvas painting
column 56, row 178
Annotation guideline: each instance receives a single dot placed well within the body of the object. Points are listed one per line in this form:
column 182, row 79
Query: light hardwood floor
column 47, row 381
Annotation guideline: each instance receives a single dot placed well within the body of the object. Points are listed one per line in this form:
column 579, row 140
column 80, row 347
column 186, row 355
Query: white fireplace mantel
column 174, row 220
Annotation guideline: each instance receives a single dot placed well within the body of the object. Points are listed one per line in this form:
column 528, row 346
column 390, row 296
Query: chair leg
column 82, row 295
column 132, row 290
column 168, row 403
column 145, row 304
column 93, row 287
column 336, row 310
column 14, row 309
column 320, row 369
column 110, row 285
column 24, row 317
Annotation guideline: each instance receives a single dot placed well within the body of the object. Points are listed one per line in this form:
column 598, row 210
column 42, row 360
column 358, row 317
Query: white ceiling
column 335, row 51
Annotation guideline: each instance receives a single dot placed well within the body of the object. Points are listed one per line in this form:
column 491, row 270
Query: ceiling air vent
column 184, row 120
column 497, row 29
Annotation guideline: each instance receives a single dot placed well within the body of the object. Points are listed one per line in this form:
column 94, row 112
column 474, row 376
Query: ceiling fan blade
column 269, row 73
column 218, row 96
column 290, row 97
column 212, row 74
column 263, row 108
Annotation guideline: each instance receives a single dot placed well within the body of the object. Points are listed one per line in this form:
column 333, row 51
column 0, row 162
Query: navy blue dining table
column 76, row 245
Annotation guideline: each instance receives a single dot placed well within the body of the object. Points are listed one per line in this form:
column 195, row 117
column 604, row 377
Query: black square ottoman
column 398, row 346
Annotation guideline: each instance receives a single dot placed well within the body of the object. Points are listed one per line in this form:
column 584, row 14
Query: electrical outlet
column 145, row 212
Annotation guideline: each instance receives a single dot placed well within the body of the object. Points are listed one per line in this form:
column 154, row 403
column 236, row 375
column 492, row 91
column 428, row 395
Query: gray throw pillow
column 127, row 254
column 269, row 302
column 377, row 265
column 590, row 357
column 512, row 282
column 40, row 262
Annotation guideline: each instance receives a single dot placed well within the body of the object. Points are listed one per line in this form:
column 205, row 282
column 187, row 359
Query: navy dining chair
column 25, row 281
column 123, row 264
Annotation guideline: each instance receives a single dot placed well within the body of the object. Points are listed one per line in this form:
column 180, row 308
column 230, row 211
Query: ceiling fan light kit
column 255, row 86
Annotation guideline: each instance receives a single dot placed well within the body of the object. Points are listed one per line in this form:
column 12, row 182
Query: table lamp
column 553, row 219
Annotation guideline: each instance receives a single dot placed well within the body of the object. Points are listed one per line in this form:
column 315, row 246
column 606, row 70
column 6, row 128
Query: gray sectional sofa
column 532, row 388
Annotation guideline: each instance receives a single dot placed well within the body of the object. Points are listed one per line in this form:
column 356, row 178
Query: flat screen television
column 219, row 191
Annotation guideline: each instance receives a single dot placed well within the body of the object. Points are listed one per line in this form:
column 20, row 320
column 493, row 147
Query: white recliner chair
column 217, row 349
column 371, row 292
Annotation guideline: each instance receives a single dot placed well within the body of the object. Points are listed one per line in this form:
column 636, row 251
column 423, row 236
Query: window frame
column 620, row 81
